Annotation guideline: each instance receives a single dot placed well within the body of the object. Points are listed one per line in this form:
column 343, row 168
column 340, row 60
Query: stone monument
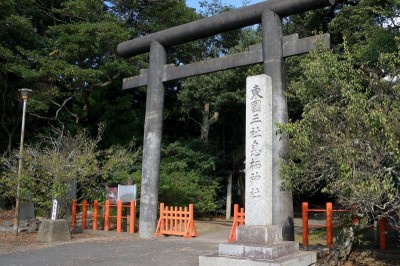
column 270, row 53
column 259, row 242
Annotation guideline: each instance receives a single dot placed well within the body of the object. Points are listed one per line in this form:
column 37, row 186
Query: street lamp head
column 25, row 93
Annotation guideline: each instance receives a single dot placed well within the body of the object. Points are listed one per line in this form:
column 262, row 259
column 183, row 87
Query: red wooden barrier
column 238, row 220
column 175, row 221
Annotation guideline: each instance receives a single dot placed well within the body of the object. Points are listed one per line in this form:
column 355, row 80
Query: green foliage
column 66, row 166
column 187, row 175
column 347, row 142
column 120, row 164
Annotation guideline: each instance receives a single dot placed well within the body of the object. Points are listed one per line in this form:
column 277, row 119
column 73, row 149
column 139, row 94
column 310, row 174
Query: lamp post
column 24, row 95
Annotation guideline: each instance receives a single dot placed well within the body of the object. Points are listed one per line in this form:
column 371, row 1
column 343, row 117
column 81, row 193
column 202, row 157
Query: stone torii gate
column 270, row 53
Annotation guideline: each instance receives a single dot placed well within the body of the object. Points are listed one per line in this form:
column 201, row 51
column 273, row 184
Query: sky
column 236, row 3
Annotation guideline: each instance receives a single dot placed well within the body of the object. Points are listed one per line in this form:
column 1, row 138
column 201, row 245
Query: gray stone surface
column 259, row 252
column 112, row 248
column 26, row 210
column 271, row 251
column 53, row 230
column 222, row 22
column 301, row 258
column 152, row 142
column 259, row 235
column 31, row 225
column 231, row 249
column 282, row 209
column 259, row 150
column 291, row 45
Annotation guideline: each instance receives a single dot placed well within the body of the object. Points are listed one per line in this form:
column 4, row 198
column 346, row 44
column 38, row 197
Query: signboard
column 54, row 210
column 127, row 193
column 112, row 194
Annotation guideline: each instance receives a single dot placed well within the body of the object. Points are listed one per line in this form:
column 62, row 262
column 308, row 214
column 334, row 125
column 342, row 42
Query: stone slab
column 271, row 251
column 259, row 252
column 231, row 249
column 26, row 210
column 53, row 230
column 300, row 258
column 258, row 235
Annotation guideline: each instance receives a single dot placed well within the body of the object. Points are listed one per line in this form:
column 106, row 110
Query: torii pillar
column 152, row 141
column 282, row 209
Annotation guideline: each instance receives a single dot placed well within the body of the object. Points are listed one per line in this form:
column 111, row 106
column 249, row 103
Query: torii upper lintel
column 226, row 21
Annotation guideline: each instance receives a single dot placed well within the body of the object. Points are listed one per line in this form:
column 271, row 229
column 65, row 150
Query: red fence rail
column 119, row 217
column 84, row 206
column 328, row 225
column 106, row 215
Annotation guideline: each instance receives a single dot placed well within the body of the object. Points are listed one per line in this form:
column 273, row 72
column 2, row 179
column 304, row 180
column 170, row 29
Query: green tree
column 188, row 175
column 347, row 141
column 66, row 166
column 18, row 33
column 344, row 140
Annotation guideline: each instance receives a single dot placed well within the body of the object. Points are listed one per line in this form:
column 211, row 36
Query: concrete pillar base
column 53, row 230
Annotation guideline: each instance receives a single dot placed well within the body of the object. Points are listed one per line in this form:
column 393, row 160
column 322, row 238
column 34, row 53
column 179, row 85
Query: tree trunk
column 206, row 122
column 229, row 197
column 343, row 246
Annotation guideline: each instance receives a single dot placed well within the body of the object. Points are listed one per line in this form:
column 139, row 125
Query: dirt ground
column 27, row 241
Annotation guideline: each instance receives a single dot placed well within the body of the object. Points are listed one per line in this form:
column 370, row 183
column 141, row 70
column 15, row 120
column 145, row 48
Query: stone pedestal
column 259, row 245
column 53, row 230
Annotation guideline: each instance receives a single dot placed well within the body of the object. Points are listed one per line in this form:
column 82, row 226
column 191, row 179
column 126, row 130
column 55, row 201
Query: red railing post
column 329, row 225
column 232, row 235
column 84, row 213
column 304, row 214
column 191, row 219
column 95, row 213
column 107, row 216
column 132, row 217
column 73, row 214
column 242, row 217
column 119, row 216
column 161, row 225
column 382, row 233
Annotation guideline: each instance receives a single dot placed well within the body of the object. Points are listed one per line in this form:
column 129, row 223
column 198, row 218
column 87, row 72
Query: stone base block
column 300, row 258
column 53, row 230
column 259, row 252
column 259, row 235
